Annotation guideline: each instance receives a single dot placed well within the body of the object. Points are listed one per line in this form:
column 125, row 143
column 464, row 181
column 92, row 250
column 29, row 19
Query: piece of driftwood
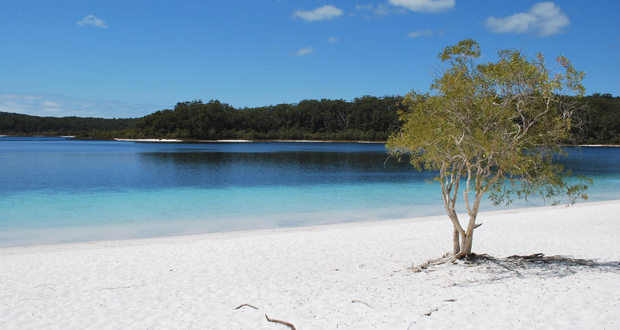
column 357, row 301
column 291, row 326
column 245, row 305
column 431, row 311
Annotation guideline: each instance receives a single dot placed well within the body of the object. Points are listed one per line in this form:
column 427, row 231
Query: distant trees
column 189, row 120
column 18, row 124
column 365, row 118
column 602, row 121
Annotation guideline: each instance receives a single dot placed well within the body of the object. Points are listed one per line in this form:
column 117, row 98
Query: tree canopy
column 491, row 128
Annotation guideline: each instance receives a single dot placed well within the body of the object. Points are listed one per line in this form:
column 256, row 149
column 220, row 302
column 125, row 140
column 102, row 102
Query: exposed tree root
column 510, row 262
column 540, row 257
column 434, row 262
column 533, row 258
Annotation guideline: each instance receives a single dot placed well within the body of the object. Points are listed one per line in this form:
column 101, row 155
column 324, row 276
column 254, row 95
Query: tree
column 491, row 128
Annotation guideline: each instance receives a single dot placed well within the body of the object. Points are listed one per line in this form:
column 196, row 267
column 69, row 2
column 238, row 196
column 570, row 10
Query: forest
column 367, row 118
column 25, row 125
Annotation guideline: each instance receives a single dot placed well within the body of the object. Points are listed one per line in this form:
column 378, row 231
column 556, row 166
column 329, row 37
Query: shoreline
column 185, row 235
column 309, row 141
column 346, row 276
column 240, row 141
column 154, row 140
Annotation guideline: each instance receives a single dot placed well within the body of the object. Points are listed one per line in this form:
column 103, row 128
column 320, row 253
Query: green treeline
column 367, row 118
column 25, row 125
column 602, row 120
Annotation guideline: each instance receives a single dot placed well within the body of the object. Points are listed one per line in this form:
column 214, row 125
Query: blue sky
column 130, row 58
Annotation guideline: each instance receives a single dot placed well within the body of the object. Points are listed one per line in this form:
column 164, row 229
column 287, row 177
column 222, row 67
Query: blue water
column 56, row 190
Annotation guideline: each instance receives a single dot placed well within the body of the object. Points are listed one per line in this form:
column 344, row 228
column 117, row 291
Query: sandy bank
column 352, row 276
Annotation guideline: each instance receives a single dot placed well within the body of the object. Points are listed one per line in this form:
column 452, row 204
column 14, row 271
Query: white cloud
column 322, row 13
column 92, row 20
column 62, row 106
column 333, row 39
column 51, row 107
column 379, row 10
column 303, row 51
column 420, row 33
column 51, row 104
column 544, row 19
column 428, row 6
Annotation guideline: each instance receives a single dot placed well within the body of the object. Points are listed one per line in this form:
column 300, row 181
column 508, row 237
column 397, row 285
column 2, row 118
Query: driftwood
column 354, row 301
column 429, row 313
column 245, row 305
column 291, row 326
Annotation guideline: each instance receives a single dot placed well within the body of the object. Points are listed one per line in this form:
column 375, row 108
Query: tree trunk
column 467, row 237
column 468, row 241
column 456, row 241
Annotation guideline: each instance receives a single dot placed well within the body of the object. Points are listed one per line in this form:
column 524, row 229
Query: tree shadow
column 541, row 265
column 487, row 269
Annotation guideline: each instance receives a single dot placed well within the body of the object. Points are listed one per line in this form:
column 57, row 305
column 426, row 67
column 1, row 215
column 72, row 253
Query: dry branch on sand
column 288, row 324
column 245, row 305
column 280, row 322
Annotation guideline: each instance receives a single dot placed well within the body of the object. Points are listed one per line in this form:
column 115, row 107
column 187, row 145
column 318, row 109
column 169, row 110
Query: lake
column 58, row 190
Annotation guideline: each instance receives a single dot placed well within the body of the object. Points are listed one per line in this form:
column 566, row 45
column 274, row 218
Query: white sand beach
column 350, row 276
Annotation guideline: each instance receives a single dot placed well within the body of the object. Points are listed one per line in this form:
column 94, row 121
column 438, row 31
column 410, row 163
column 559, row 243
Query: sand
column 351, row 276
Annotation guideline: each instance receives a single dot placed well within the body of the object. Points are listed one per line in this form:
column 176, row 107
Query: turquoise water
column 56, row 190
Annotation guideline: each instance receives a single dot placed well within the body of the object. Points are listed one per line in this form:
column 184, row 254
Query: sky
column 130, row 58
